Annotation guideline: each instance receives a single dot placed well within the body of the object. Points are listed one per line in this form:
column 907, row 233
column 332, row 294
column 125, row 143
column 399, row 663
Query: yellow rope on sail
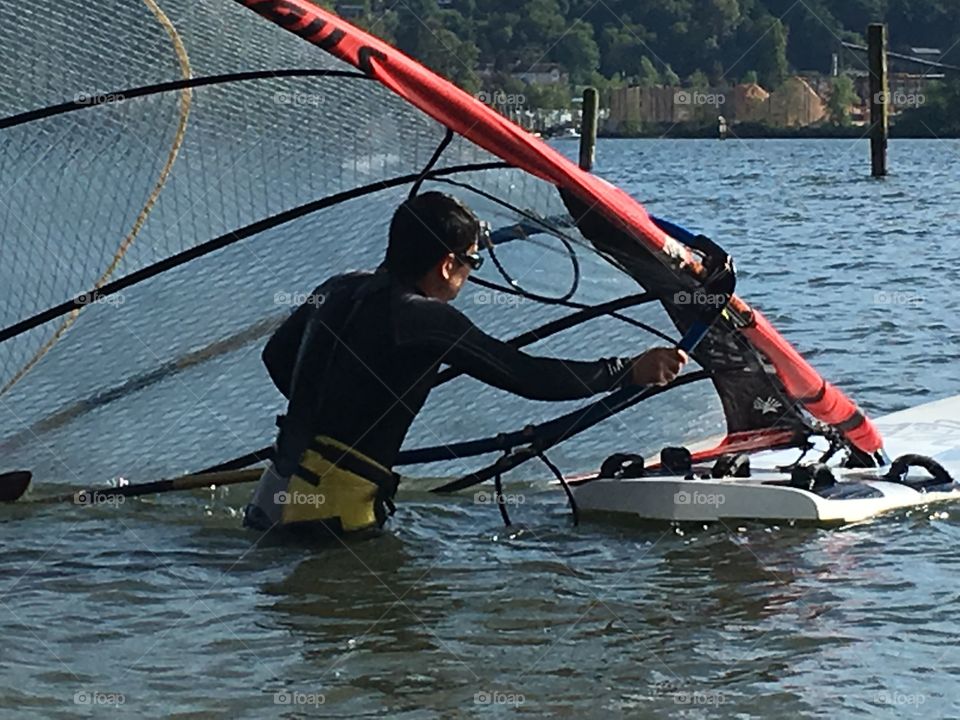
column 185, row 100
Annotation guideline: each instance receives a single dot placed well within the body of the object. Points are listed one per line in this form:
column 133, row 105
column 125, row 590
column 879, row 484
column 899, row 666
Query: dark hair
column 424, row 229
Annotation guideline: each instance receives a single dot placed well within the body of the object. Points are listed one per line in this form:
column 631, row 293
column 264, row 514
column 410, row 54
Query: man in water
column 358, row 360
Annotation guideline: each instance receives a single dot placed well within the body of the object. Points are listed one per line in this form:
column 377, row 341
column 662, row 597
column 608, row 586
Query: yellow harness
column 338, row 486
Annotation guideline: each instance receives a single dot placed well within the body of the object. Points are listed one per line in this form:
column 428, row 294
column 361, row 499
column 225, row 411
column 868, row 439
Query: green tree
column 670, row 77
column 605, row 86
column 938, row 116
column 751, row 78
column 437, row 39
column 648, row 76
column 451, row 57
column 577, row 51
column 541, row 24
column 932, row 23
column 857, row 14
column 698, row 80
column 413, row 18
column 842, row 96
column 771, row 54
column 813, row 31
column 621, row 50
column 547, row 97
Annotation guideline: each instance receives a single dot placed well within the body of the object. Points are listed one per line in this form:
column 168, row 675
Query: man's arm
column 461, row 344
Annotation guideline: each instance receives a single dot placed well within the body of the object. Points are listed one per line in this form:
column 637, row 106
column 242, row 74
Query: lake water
column 166, row 608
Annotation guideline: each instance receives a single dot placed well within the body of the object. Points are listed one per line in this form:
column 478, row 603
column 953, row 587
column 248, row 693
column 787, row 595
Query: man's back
column 359, row 376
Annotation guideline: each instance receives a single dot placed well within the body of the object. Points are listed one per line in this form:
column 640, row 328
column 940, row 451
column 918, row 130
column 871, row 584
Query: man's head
column 433, row 244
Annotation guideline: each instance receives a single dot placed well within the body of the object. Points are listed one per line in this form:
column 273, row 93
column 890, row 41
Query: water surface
column 167, row 605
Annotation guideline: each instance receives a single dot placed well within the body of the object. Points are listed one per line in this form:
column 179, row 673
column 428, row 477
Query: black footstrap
column 900, row 467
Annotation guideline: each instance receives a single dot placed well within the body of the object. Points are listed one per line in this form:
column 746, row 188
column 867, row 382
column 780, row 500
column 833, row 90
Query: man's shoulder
column 419, row 302
column 354, row 278
column 418, row 316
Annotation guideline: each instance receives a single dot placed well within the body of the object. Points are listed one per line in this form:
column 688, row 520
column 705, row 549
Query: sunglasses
column 473, row 260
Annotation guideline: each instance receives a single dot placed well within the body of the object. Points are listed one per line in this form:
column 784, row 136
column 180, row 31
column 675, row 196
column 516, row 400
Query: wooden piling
column 879, row 98
column 588, row 127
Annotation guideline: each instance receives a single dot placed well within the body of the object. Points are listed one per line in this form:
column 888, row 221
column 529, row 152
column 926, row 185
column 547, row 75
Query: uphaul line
column 466, row 115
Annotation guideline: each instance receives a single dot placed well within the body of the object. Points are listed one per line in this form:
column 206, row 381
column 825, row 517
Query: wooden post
column 879, row 98
column 588, row 127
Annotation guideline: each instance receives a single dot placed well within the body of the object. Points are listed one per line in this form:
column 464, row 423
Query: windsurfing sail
column 175, row 176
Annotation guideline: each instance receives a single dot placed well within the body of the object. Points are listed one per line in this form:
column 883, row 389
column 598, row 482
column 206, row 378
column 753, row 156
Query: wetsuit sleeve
column 280, row 353
column 459, row 343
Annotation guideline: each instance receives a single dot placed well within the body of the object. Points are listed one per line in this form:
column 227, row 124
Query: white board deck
column 932, row 429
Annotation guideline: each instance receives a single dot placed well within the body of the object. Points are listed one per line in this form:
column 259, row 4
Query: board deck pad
column 932, row 429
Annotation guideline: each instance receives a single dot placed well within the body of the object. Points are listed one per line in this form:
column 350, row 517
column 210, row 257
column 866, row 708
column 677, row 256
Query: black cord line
column 117, row 96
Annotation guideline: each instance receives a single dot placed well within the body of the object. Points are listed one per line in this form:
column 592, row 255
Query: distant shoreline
column 760, row 132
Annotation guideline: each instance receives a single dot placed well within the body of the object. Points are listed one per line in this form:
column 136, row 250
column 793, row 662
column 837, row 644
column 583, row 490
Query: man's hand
column 658, row 366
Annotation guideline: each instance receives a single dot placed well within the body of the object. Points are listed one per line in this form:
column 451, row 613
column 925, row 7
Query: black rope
column 836, row 445
column 530, row 295
column 796, row 463
column 516, row 287
column 501, row 503
column 566, row 488
column 121, row 95
column 579, row 306
column 434, row 159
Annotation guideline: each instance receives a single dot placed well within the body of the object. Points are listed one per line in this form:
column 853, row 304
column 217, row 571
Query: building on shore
column 794, row 104
column 907, row 90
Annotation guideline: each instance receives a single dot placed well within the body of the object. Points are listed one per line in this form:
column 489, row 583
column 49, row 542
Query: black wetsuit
column 366, row 389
